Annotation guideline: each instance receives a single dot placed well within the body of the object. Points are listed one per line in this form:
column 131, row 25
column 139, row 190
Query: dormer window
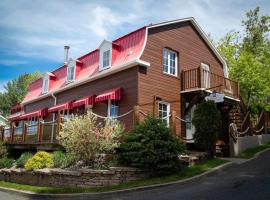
column 71, row 67
column 105, row 55
column 45, row 88
column 106, row 59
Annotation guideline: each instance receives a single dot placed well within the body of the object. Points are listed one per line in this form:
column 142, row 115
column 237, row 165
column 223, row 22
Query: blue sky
column 33, row 33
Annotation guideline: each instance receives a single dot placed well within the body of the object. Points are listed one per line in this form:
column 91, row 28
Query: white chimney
column 66, row 48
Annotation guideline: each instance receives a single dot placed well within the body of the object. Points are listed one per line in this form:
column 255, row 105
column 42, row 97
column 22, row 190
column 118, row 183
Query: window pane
column 114, row 108
column 106, row 58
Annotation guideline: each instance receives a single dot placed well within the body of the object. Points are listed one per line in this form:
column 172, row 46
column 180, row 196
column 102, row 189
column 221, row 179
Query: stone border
column 69, row 178
column 95, row 195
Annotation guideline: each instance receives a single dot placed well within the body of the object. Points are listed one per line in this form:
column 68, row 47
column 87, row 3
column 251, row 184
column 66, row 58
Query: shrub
column 6, row 162
column 3, row 150
column 62, row 160
column 88, row 141
column 23, row 159
column 207, row 122
column 151, row 146
column 40, row 160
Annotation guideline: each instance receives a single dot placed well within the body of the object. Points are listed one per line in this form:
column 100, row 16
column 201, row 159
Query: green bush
column 40, row 160
column 151, row 146
column 89, row 141
column 207, row 122
column 62, row 160
column 23, row 159
column 6, row 162
column 3, row 150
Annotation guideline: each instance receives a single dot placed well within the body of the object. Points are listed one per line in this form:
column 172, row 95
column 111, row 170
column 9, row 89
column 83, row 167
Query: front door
column 205, row 75
column 190, row 129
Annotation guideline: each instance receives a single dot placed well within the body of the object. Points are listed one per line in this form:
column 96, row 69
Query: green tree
column 207, row 122
column 15, row 91
column 248, row 58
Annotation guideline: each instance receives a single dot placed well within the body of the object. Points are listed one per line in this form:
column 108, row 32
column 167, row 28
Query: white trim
column 46, row 77
column 168, row 110
column 204, row 36
column 144, row 43
column 175, row 62
column 99, row 75
column 71, row 62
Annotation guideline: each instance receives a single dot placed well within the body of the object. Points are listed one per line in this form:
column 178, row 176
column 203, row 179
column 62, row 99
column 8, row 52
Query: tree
column 248, row 58
column 207, row 122
column 15, row 91
column 151, row 146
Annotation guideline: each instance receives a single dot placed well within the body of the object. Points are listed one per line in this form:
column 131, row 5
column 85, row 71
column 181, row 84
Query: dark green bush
column 23, row 159
column 207, row 122
column 151, row 146
column 62, row 160
column 6, row 162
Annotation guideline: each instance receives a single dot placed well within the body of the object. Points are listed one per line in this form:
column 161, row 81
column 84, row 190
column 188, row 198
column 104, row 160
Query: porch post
column 24, row 131
column 2, row 130
column 199, row 81
column 40, row 130
column 12, row 132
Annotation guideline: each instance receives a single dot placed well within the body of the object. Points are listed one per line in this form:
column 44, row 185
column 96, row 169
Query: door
column 205, row 75
column 190, row 129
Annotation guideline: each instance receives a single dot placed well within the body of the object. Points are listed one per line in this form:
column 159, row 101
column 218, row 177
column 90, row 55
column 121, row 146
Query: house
column 164, row 68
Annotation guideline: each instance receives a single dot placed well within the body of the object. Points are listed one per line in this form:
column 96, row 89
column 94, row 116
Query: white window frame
column 109, row 108
column 169, row 72
column 168, row 111
column 108, row 59
column 71, row 64
column 104, row 47
column 44, row 89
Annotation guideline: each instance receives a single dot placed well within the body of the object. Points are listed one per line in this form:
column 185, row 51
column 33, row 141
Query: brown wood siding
column 127, row 79
column 192, row 51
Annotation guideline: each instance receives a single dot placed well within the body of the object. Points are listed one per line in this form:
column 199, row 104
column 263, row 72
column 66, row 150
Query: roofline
column 100, row 75
column 5, row 119
column 202, row 34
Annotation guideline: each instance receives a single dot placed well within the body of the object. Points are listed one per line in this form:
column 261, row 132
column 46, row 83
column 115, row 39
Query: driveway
column 249, row 180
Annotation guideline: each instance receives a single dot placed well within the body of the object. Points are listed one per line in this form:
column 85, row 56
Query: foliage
column 207, row 122
column 3, row 150
column 250, row 152
column 87, row 140
column 151, row 146
column 23, row 159
column 40, row 160
column 62, row 160
column 15, row 91
column 6, row 162
column 248, row 58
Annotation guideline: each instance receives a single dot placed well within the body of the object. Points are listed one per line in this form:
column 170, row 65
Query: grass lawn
column 248, row 153
column 185, row 173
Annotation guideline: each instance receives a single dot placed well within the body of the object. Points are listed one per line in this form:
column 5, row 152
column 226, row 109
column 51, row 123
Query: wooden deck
column 200, row 79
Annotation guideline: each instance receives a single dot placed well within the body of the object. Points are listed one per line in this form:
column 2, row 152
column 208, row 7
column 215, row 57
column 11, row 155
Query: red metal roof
column 111, row 94
column 37, row 113
column 128, row 48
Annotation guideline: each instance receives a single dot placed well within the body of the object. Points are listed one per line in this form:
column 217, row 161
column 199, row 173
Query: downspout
column 55, row 100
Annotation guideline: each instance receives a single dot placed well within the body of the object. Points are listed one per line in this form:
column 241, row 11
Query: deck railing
column 199, row 78
column 39, row 133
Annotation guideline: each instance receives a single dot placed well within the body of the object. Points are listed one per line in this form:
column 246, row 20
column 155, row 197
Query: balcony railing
column 201, row 79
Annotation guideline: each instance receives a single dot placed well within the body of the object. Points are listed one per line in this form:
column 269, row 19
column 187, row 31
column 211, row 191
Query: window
column 113, row 108
column 164, row 111
column 106, row 59
column 45, row 87
column 71, row 71
column 32, row 126
column 169, row 62
column 66, row 114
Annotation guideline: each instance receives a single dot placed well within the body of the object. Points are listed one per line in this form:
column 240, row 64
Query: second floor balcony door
column 205, row 75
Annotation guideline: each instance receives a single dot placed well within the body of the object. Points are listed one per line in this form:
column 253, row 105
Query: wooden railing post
column 173, row 116
column 135, row 115
column 2, row 130
column 12, row 132
column 40, row 130
column 199, row 77
column 24, row 131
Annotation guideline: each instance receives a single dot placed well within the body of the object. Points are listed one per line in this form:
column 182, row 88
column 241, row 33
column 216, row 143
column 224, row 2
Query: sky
column 34, row 32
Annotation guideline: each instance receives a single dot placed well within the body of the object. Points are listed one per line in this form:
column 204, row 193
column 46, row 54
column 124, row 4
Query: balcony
column 201, row 79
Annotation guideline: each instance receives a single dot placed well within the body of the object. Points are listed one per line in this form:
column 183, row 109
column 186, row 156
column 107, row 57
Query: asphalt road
column 248, row 181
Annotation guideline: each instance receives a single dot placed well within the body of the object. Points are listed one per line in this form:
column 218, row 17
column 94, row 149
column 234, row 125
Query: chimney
column 66, row 48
